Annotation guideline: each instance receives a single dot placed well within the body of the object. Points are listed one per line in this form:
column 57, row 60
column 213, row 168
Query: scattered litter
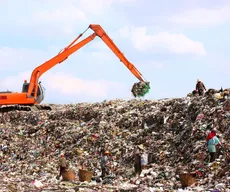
column 172, row 133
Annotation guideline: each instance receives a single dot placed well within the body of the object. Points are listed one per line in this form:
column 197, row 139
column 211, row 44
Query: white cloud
column 220, row 63
column 100, row 6
column 95, row 7
column 202, row 17
column 21, row 59
column 66, row 14
column 154, row 64
column 99, row 55
column 223, row 68
column 99, row 44
column 124, row 32
column 14, row 83
column 70, row 85
column 101, row 51
column 15, row 59
column 61, row 17
column 175, row 43
column 64, row 84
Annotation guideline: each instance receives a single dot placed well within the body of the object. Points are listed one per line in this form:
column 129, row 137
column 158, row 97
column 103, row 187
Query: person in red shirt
column 211, row 135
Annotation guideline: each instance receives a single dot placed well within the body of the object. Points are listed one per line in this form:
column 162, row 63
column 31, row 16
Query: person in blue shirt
column 212, row 142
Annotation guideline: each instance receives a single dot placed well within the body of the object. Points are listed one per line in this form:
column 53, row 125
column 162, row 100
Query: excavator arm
column 108, row 41
column 70, row 49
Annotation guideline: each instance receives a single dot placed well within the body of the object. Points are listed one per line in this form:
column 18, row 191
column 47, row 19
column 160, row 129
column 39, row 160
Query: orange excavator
column 33, row 93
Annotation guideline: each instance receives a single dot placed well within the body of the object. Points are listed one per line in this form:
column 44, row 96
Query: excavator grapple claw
column 140, row 89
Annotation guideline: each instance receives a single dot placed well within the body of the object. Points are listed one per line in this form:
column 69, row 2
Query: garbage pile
column 171, row 131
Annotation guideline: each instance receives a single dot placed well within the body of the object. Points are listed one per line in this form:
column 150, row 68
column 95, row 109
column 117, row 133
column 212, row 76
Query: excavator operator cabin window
column 25, row 87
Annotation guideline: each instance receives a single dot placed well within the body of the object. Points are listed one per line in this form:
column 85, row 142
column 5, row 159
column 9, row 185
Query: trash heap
column 172, row 131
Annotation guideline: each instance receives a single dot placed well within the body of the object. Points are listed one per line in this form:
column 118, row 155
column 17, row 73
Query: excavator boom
column 32, row 92
column 108, row 41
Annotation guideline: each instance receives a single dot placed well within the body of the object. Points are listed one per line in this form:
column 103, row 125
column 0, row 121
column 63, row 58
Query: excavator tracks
column 5, row 109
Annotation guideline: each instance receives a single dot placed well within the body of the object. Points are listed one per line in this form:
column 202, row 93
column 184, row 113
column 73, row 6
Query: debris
column 172, row 133
column 37, row 184
column 226, row 105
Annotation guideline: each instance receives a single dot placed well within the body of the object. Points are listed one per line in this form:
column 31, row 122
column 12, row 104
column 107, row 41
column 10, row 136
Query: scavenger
column 212, row 141
column 200, row 87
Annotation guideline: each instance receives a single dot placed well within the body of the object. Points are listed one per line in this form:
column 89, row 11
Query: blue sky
column 172, row 43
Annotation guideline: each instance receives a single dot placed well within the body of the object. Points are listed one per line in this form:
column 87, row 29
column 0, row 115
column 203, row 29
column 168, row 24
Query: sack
column 144, row 159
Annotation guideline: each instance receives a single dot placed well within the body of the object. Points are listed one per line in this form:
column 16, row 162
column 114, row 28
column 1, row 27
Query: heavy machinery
column 33, row 93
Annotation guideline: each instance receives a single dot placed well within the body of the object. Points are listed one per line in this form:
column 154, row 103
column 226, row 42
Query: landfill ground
column 172, row 131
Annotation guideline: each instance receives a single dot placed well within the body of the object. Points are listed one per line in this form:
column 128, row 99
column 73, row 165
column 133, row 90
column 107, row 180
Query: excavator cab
column 40, row 94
